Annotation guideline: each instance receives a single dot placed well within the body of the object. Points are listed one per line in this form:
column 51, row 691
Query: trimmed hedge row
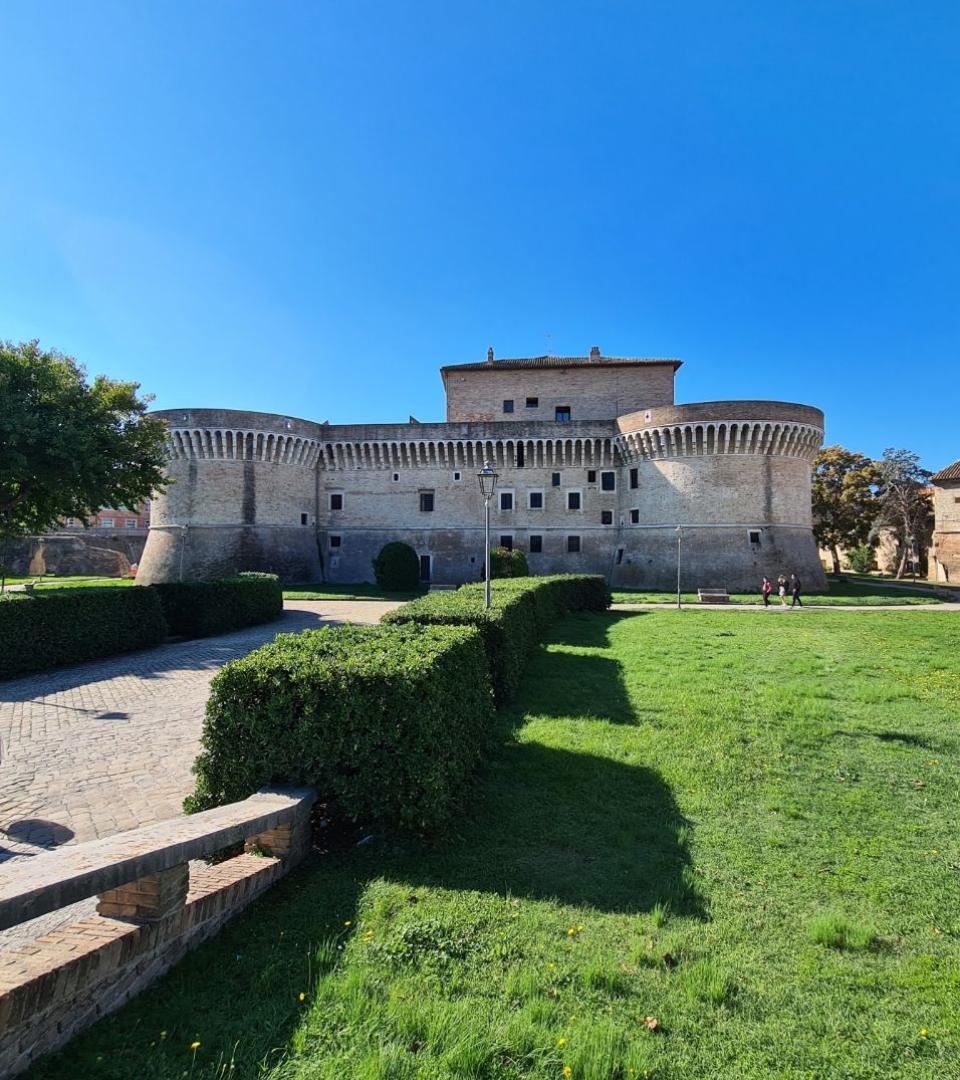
column 201, row 608
column 387, row 721
column 66, row 626
column 522, row 610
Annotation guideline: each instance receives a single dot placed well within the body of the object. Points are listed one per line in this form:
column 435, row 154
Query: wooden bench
column 713, row 596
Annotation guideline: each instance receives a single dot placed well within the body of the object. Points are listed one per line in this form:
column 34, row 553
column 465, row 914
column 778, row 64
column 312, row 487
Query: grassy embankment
column 750, row 838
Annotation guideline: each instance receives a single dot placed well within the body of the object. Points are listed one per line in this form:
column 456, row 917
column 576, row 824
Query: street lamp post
column 488, row 485
column 679, row 542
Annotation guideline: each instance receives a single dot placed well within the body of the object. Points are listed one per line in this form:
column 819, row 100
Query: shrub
column 65, row 626
column 386, row 721
column 201, row 608
column 397, row 568
column 861, row 559
column 507, row 563
column 522, row 610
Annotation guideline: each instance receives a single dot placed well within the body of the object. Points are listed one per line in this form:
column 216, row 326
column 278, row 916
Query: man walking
column 795, row 590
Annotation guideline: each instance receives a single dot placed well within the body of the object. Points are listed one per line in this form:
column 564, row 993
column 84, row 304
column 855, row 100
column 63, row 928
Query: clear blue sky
column 308, row 208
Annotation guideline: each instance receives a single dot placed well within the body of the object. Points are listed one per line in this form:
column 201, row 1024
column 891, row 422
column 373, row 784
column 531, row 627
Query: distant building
column 597, row 468
column 114, row 518
column 944, row 563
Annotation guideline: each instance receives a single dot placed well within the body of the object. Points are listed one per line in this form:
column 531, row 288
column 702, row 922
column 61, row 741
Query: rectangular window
column 573, row 500
column 555, row 479
column 508, row 405
column 336, row 500
column 573, row 543
column 506, row 542
column 634, row 517
column 396, row 477
column 426, row 501
column 608, row 481
column 520, row 456
column 619, row 556
column 106, row 523
column 70, row 523
column 456, row 478
column 131, row 523
column 425, row 567
column 335, row 541
column 606, row 517
column 506, row 500
column 533, row 403
column 536, row 500
column 754, row 535
column 634, row 478
column 591, row 476
column 536, row 545
column 562, row 414
column 303, row 519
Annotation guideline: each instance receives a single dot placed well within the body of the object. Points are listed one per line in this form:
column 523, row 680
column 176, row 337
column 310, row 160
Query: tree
column 845, row 503
column 397, row 568
column 69, row 447
column 905, row 503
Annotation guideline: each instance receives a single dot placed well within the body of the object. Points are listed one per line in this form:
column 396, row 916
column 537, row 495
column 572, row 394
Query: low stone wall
column 151, row 912
column 102, row 552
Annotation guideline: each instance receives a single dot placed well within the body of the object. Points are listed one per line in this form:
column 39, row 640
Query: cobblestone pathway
column 106, row 746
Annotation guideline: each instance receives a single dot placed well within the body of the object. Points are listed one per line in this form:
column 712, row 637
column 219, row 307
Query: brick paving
column 103, row 747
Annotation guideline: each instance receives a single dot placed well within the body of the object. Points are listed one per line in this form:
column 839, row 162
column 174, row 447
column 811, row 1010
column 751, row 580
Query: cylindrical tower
column 735, row 475
column 243, row 496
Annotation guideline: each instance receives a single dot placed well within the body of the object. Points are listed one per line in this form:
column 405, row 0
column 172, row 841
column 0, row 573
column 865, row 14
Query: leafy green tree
column 845, row 504
column 68, row 446
column 906, row 505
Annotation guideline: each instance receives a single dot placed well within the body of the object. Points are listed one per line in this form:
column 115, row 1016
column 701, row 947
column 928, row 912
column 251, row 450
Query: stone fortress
column 597, row 468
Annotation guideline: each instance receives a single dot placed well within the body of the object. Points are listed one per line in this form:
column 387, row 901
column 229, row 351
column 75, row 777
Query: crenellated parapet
column 727, row 428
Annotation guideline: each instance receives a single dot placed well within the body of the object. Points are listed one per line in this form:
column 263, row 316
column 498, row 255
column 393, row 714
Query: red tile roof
column 951, row 472
column 563, row 362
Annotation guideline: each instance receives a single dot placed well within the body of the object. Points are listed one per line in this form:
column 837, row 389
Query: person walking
column 782, row 590
column 765, row 590
column 795, row 591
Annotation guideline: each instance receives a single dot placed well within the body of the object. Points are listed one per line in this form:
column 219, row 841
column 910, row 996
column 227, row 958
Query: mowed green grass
column 747, row 835
column 80, row 581
column 329, row 591
column 841, row 594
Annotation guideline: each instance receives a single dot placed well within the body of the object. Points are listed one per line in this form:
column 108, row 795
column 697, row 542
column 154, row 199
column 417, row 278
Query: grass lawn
column 51, row 582
column 841, row 594
column 750, row 837
column 326, row 591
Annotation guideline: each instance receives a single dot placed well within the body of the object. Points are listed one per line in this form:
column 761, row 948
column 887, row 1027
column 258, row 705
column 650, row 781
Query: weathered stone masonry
column 597, row 468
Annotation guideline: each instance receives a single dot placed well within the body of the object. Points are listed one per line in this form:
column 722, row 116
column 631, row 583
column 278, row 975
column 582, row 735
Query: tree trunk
column 835, row 556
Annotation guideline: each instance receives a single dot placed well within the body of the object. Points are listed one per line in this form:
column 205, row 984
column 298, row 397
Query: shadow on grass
column 589, row 631
column 904, row 738
column 578, row 685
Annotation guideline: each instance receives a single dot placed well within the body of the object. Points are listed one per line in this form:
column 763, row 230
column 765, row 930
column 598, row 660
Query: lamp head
column 487, row 477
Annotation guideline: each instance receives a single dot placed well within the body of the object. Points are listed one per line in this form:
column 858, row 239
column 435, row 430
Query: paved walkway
column 106, row 746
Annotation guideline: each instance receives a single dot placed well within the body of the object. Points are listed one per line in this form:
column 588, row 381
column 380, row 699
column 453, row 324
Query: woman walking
column 765, row 590
column 782, row 590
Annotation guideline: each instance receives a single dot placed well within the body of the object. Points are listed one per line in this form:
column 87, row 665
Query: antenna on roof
column 490, row 355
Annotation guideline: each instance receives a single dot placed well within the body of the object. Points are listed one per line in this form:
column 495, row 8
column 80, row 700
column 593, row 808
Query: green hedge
column 387, row 721
column 522, row 611
column 397, row 568
column 201, row 608
column 65, row 626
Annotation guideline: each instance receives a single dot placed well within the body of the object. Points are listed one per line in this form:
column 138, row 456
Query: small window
column 106, row 523
column 608, row 481
column 131, row 523
column 956, row 499
column 336, row 500
column 508, row 405
column 619, row 556
column 555, row 479
column 536, row 500
column 573, row 543
column 304, row 519
column 506, row 500
column 536, row 545
column 335, row 541
column 562, row 414
column 506, row 542
column 71, row 523
column 591, row 476
column 634, row 478
column 573, row 500
column 634, row 517
column 426, row 501
column 606, row 517
column 456, row 478
column 533, row 403
column 396, row 477
column 754, row 535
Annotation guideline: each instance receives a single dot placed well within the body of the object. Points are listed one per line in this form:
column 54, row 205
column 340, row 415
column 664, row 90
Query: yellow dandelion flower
column 348, row 923
column 195, row 1046
column 302, row 996
column 561, row 1041
column 923, row 1033
column 567, row 1071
